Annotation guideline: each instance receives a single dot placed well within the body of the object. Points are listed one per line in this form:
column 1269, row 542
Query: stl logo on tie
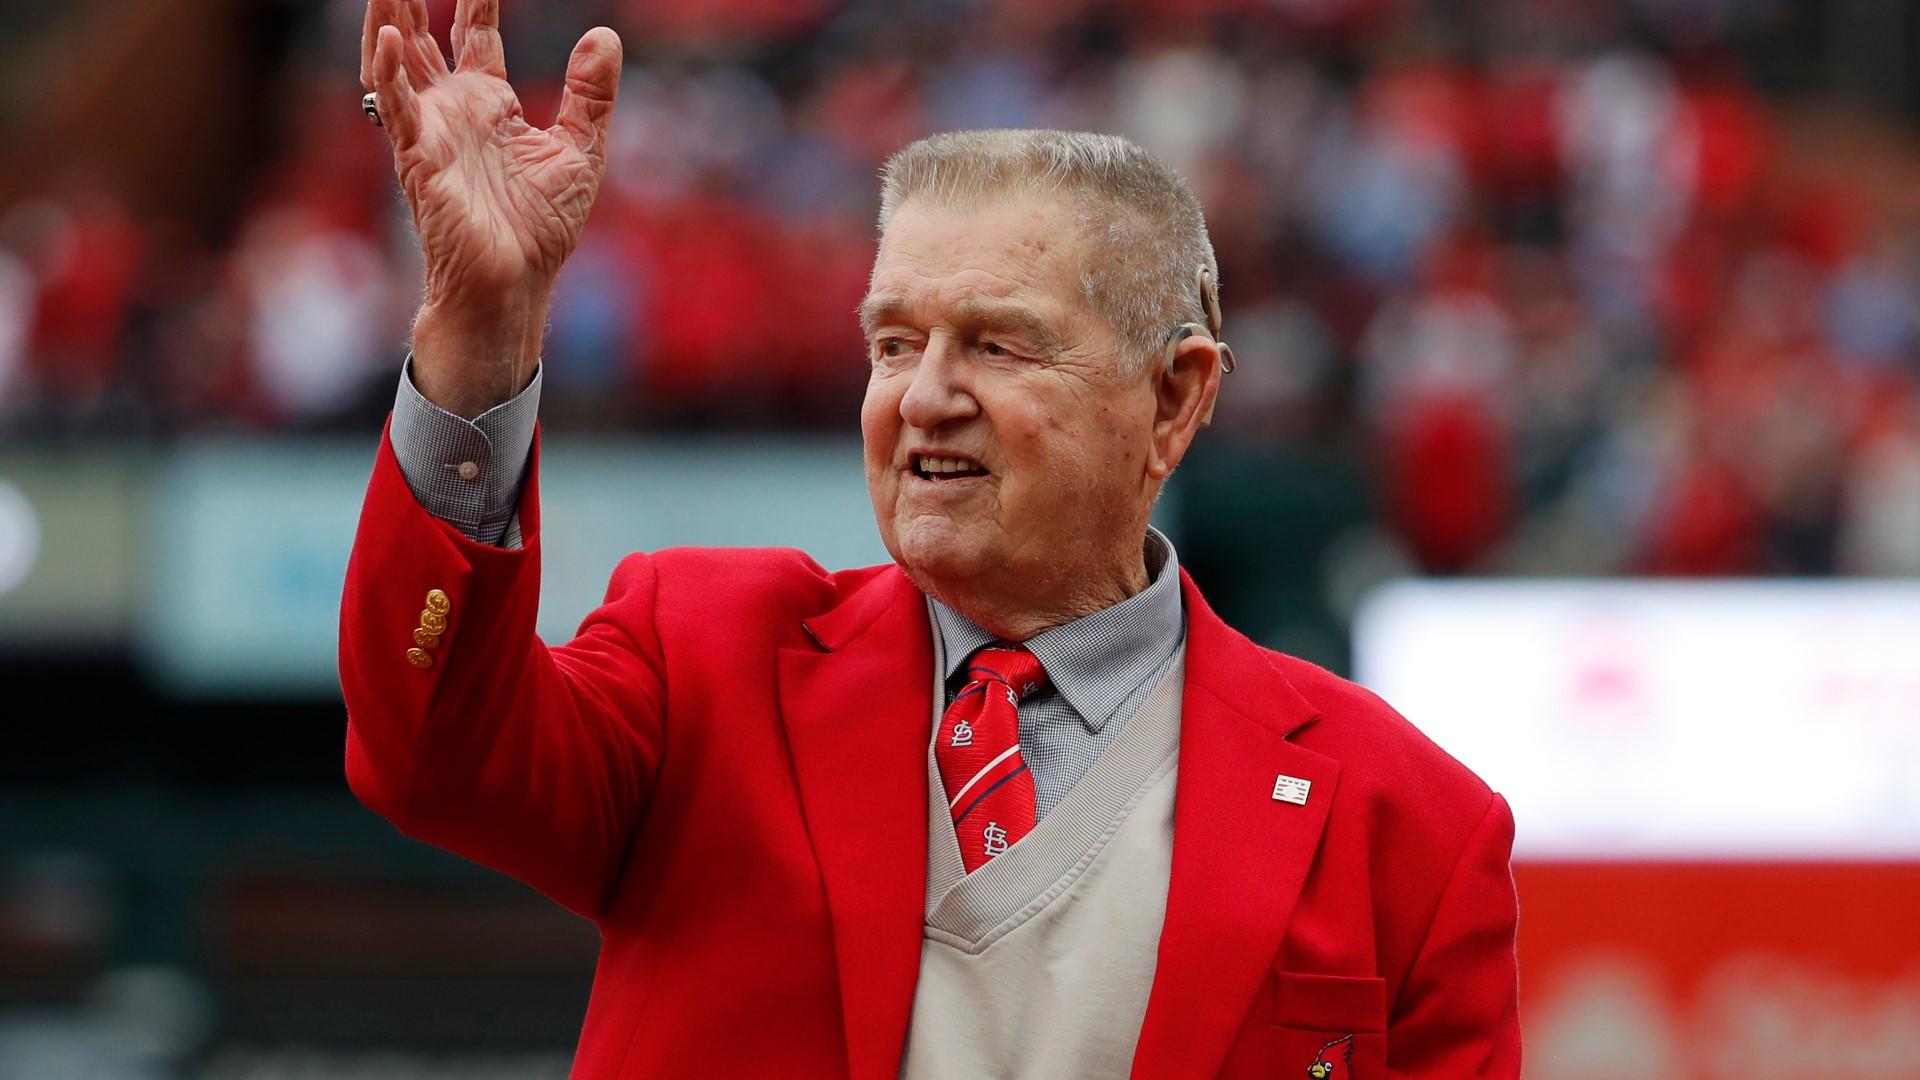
column 1322, row 1069
column 962, row 734
column 996, row 838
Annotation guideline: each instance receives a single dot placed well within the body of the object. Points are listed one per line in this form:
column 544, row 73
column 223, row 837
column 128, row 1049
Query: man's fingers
column 421, row 54
column 593, row 79
column 476, row 37
column 425, row 63
column 369, row 33
column 462, row 22
column 399, row 106
column 380, row 13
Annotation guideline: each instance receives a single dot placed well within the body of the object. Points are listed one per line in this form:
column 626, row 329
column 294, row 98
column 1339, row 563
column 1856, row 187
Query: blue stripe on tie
column 971, row 690
column 989, row 791
column 997, row 677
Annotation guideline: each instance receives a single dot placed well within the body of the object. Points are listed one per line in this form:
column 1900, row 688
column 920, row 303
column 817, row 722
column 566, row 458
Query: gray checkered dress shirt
column 1100, row 667
column 467, row 472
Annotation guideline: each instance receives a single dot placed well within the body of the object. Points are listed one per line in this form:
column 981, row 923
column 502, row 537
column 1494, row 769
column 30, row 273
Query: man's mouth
column 946, row 467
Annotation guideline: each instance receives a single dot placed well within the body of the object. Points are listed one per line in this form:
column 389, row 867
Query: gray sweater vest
column 1038, row 964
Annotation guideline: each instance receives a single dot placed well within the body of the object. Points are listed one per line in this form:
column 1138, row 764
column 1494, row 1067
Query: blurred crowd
column 1578, row 292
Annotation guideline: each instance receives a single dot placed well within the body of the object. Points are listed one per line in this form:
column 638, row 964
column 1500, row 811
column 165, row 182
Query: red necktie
column 989, row 790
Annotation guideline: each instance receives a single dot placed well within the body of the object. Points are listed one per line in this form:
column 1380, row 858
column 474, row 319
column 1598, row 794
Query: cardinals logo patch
column 1323, row 1066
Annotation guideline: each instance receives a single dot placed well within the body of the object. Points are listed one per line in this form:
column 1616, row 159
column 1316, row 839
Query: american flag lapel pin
column 1291, row 789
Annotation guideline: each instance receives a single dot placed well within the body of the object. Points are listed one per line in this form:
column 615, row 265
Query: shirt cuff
column 467, row 473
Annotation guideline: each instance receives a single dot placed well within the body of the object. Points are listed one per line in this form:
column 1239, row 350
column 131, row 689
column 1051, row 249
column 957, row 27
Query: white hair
column 1148, row 236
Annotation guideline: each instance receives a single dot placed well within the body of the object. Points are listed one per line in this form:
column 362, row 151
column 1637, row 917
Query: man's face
column 1005, row 449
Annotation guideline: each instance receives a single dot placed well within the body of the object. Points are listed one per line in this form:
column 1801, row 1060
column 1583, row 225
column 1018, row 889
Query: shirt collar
column 1098, row 660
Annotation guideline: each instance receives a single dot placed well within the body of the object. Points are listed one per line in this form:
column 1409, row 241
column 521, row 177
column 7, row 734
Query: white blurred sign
column 250, row 539
column 1630, row 720
column 19, row 537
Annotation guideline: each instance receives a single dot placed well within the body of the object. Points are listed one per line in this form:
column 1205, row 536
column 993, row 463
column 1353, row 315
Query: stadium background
column 1522, row 290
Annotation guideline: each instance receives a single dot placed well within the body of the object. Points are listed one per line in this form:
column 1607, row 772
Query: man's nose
column 939, row 391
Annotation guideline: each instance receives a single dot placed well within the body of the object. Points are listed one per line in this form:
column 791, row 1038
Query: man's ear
column 1184, row 388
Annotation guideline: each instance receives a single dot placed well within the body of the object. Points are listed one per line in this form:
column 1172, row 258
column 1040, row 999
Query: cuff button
column 438, row 603
column 419, row 658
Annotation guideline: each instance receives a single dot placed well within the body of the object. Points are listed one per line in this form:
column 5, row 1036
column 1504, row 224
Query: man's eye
column 891, row 347
column 994, row 348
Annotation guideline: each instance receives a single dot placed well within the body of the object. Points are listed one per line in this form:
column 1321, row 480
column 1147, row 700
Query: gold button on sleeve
column 419, row 658
column 433, row 622
column 438, row 603
column 425, row 638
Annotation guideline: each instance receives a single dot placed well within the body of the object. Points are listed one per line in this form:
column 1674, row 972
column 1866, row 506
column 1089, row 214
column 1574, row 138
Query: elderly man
column 1019, row 804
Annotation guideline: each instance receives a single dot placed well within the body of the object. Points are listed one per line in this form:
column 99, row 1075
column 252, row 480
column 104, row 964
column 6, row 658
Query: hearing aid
column 1210, row 308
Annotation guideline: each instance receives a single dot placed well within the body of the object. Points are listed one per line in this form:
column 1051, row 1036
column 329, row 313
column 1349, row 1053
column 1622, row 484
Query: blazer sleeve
column 536, row 761
column 1458, row 1011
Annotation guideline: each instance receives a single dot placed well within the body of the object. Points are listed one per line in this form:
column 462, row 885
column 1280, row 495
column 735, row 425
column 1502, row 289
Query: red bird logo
column 1321, row 1068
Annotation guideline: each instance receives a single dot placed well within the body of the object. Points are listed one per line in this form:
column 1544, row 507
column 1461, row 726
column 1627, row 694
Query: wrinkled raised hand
column 499, row 204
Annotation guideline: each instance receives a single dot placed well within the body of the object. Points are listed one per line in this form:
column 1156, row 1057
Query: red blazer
column 726, row 771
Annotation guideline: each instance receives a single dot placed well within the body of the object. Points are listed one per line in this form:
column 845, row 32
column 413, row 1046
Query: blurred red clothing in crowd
column 89, row 248
column 1595, row 291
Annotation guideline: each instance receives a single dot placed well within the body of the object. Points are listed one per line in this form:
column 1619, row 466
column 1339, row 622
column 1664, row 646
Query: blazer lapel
column 1240, row 855
column 858, row 712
